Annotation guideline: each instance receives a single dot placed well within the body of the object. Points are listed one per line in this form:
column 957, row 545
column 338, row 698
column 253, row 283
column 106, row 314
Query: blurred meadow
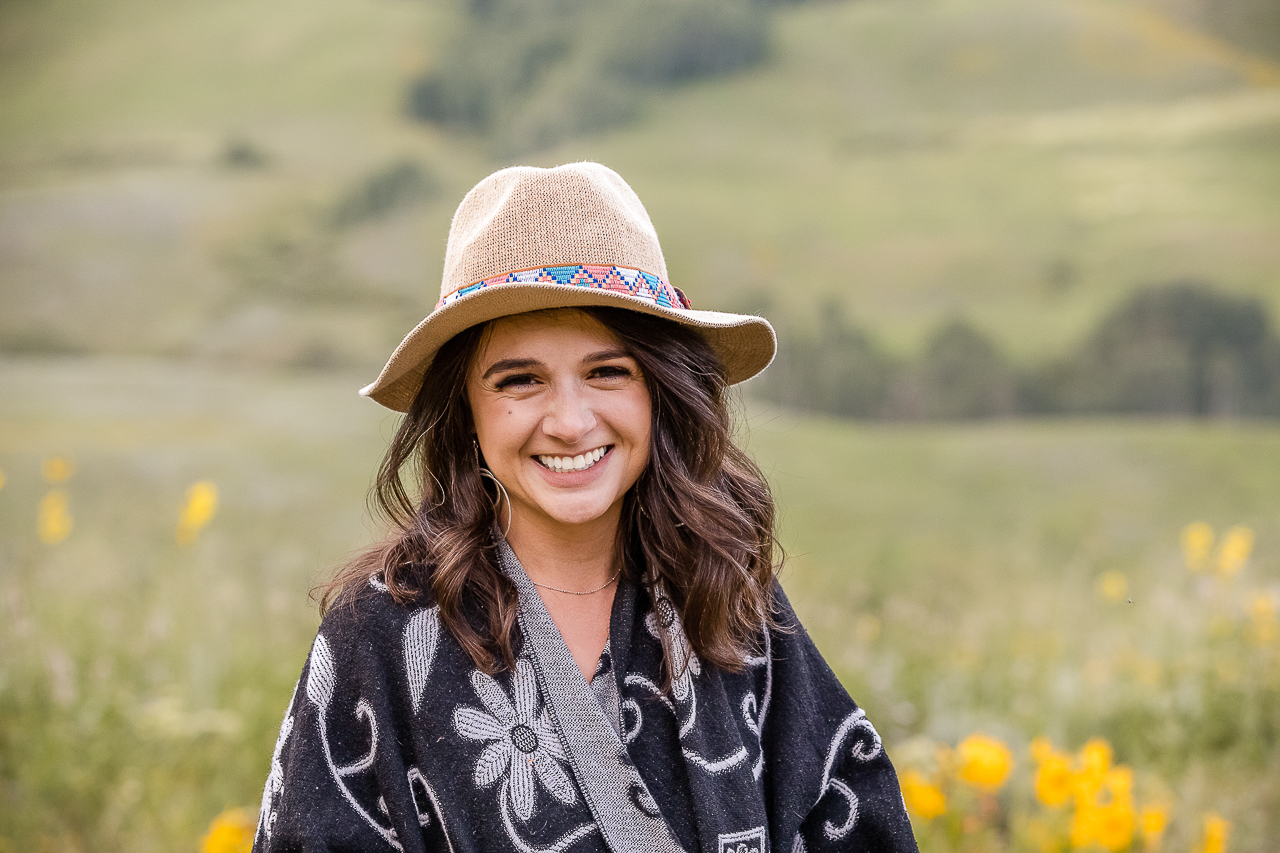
column 217, row 218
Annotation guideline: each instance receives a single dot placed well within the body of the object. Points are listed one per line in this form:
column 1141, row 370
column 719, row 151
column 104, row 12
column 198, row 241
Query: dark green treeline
column 1181, row 349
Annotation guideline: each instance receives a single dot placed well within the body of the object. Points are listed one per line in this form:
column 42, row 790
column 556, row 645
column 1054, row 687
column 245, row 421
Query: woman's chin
column 575, row 514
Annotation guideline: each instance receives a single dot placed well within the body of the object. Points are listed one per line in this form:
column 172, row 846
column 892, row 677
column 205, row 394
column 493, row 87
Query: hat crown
column 526, row 217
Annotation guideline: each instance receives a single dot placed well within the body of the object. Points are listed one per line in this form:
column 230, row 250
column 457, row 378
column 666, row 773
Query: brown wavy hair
column 699, row 521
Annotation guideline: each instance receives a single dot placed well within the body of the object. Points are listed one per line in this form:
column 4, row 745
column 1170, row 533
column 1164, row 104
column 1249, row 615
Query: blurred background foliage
column 528, row 73
column 1176, row 349
column 986, row 230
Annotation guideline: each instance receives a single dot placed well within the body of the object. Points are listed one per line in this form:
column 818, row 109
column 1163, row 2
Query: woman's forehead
column 540, row 328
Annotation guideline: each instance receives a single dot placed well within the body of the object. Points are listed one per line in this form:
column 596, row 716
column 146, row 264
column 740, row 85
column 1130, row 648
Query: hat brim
column 745, row 343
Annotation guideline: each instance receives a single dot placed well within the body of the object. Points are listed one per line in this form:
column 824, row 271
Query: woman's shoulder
column 371, row 607
column 788, row 639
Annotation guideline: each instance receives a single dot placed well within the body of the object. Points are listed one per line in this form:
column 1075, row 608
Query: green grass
column 947, row 573
column 139, row 66
column 950, row 575
column 143, row 681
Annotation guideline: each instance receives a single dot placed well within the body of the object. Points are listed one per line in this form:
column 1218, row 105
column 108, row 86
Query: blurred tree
column 240, row 153
column 528, row 73
column 846, row 373
column 399, row 184
column 961, row 375
column 1180, row 348
column 670, row 41
column 836, row 369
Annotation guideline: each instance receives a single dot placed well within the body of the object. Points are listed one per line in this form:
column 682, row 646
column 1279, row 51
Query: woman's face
column 562, row 414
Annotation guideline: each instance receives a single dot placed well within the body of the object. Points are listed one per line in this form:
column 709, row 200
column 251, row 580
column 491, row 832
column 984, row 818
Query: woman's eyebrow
column 605, row 355
column 511, row 364
column 531, row 363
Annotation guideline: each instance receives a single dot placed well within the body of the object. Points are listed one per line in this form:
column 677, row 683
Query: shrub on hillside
column 961, row 375
column 671, row 41
column 399, row 184
column 1181, row 349
column 532, row 72
column 836, row 369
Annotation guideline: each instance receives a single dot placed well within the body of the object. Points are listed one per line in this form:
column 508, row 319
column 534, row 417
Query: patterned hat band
column 632, row 282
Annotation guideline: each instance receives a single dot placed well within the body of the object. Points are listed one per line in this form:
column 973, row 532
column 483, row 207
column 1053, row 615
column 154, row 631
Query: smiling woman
column 579, row 547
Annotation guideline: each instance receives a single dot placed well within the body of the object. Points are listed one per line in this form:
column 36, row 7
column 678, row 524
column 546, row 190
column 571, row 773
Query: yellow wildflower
column 924, row 799
column 1, row 478
column 1119, row 781
column 1197, row 539
column 1153, row 820
column 1095, row 761
column 53, row 519
column 1114, row 825
column 1262, row 611
column 1217, row 831
column 230, row 832
column 1041, row 749
column 1095, row 756
column 985, row 762
column 1053, row 780
column 1084, row 823
column 1113, row 586
column 202, row 503
column 57, row 469
column 1235, row 551
column 1262, row 607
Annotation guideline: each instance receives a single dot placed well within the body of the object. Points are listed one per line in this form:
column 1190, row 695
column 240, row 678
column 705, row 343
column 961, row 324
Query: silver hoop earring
column 497, row 505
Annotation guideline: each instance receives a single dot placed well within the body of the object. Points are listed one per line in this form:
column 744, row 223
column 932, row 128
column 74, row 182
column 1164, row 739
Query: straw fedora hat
column 527, row 239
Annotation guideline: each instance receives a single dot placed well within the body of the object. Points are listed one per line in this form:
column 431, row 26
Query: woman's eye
column 514, row 381
column 612, row 371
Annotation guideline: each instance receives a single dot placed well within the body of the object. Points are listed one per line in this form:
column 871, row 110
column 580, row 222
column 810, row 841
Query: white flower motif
column 664, row 624
column 524, row 743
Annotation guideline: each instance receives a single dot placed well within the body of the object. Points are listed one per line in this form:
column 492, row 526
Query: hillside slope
column 169, row 171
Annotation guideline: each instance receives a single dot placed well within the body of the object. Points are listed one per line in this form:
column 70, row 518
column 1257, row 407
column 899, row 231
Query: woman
column 573, row 640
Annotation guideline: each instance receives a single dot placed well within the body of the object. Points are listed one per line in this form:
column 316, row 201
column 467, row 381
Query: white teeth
column 573, row 463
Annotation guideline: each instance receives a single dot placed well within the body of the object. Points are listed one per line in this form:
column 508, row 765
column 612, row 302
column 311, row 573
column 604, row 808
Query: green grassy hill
column 1022, row 164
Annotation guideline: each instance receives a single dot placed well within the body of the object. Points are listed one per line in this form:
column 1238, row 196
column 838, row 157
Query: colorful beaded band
column 618, row 279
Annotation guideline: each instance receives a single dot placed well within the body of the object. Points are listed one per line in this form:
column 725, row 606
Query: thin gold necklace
column 571, row 592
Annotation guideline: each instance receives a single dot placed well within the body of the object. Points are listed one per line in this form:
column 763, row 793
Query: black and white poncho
column 394, row 741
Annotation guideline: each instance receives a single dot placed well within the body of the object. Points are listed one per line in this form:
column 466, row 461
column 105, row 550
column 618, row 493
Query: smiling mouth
column 581, row 462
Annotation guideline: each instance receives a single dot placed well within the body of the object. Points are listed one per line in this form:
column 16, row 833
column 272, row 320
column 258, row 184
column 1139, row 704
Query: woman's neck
column 579, row 557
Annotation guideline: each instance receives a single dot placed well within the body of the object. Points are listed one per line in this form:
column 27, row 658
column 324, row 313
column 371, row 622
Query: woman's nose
column 570, row 416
